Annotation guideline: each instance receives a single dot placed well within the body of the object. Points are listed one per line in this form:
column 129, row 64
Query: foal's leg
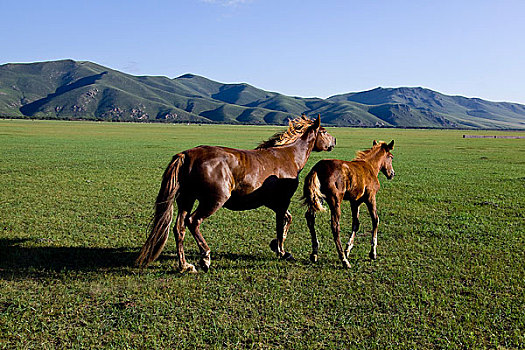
column 310, row 221
column 372, row 208
column 355, row 228
column 203, row 211
column 335, row 208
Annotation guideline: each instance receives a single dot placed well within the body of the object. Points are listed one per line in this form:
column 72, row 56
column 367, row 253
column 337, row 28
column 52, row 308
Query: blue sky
column 301, row 48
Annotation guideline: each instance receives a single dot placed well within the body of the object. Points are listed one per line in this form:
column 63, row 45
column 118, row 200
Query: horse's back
column 331, row 175
column 325, row 167
column 351, row 178
column 250, row 177
column 241, row 159
column 203, row 160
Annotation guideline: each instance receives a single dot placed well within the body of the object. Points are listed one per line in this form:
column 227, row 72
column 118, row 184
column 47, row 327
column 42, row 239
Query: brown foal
column 356, row 181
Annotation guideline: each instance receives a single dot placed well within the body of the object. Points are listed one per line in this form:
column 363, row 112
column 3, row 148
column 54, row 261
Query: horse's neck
column 301, row 149
column 375, row 162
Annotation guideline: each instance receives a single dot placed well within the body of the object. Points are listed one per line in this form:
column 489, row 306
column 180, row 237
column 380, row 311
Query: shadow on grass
column 194, row 257
column 15, row 258
column 219, row 260
column 18, row 259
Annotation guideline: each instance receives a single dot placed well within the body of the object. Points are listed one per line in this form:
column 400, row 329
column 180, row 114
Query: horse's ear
column 317, row 122
column 374, row 143
column 391, row 145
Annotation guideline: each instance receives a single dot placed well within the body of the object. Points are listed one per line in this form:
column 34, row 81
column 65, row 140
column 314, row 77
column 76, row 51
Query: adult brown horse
column 356, row 181
column 235, row 179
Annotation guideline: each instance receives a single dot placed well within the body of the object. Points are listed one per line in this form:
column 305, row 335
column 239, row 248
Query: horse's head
column 324, row 141
column 386, row 165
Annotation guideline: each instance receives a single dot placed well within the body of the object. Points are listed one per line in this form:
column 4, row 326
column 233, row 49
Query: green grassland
column 76, row 199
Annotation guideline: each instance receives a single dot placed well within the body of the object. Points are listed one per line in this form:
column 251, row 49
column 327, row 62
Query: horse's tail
column 160, row 226
column 312, row 196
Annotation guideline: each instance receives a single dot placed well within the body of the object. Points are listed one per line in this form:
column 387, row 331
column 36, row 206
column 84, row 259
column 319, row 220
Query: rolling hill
column 84, row 90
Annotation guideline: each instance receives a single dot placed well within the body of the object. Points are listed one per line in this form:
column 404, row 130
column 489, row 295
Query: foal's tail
column 312, row 196
column 160, row 226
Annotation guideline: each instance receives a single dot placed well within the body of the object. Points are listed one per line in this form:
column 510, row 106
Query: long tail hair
column 160, row 226
column 312, row 196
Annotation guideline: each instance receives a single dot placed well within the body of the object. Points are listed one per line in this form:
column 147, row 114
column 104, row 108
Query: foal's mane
column 369, row 153
column 296, row 128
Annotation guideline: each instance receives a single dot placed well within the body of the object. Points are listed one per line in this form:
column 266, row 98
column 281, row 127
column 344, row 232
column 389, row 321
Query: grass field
column 76, row 199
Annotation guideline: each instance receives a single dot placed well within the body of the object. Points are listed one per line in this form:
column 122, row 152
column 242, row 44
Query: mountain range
column 74, row 90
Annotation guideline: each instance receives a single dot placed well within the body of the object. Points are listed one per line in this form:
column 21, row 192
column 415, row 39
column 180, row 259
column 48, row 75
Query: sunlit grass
column 76, row 199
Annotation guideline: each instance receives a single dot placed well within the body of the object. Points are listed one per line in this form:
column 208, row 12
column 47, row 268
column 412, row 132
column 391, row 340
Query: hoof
column 372, row 256
column 205, row 262
column 313, row 258
column 346, row 264
column 188, row 268
column 204, row 265
column 274, row 245
column 288, row 257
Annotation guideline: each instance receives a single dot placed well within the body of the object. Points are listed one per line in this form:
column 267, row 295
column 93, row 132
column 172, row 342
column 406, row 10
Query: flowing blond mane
column 364, row 155
column 296, row 128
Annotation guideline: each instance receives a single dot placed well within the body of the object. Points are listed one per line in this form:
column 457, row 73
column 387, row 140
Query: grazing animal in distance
column 336, row 180
column 235, row 179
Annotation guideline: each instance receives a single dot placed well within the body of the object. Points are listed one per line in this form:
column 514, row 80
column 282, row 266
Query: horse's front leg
column 310, row 221
column 283, row 220
column 372, row 208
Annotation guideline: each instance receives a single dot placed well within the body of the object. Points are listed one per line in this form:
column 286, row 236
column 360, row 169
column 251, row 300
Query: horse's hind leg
column 310, row 221
column 203, row 211
column 335, row 209
column 355, row 228
column 180, row 231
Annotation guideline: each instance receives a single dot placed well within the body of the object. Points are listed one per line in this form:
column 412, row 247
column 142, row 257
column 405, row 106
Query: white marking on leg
column 350, row 244
column 188, row 268
column 207, row 258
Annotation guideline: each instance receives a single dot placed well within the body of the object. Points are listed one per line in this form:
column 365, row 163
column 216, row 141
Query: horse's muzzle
column 331, row 147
